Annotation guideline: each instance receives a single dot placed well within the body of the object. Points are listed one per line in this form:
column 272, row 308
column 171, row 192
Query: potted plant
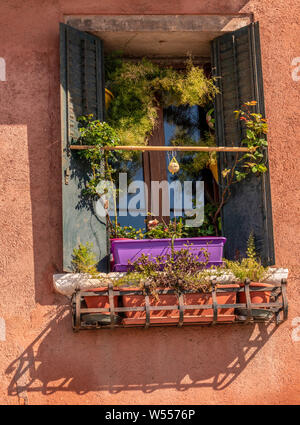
column 251, row 268
column 120, row 233
column 125, row 251
column 84, row 261
column 157, row 243
column 180, row 271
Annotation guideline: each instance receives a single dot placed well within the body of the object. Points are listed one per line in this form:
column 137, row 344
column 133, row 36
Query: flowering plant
column 163, row 230
column 255, row 128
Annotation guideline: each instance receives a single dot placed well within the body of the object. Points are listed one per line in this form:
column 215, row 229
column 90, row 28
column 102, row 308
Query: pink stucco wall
column 40, row 356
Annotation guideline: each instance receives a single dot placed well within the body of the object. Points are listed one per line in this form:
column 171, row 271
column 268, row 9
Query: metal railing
column 116, row 315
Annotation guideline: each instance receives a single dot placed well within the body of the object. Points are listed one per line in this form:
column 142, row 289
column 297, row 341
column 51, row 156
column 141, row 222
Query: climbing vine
column 255, row 128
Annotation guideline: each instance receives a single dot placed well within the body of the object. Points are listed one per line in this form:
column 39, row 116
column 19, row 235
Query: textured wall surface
column 41, row 360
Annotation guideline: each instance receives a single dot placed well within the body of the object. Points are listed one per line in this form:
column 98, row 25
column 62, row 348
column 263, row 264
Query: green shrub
column 249, row 267
column 84, row 259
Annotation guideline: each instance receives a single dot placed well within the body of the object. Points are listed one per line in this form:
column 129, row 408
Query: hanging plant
column 141, row 88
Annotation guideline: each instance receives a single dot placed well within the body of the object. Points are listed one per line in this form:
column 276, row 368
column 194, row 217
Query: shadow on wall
column 134, row 359
column 30, row 96
column 32, row 149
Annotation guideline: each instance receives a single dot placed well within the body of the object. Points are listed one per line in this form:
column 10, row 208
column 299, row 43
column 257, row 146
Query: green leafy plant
column 256, row 128
column 177, row 227
column 253, row 162
column 129, row 232
column 97, row 134
column 249, row 267
column 140, row 88
column 84, row 260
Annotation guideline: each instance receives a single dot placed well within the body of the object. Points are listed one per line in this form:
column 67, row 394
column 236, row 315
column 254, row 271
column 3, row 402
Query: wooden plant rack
column 274, row 311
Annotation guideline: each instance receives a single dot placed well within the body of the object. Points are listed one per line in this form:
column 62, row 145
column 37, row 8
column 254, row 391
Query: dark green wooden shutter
column 82, row 92
column 236, row 60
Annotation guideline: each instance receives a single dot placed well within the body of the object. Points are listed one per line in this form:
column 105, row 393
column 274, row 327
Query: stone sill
column 67, row 283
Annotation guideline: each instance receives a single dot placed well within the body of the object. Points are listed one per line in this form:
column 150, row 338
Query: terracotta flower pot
column 172, row 316
column 206, row 298
column 256, row 296
column 99, row 301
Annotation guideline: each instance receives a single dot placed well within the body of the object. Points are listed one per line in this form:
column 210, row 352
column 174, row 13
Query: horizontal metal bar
column 258, row 305
column 185, row 307
column 173, row 292
column 94, row 310
column 158, row 292
column 165, row 148
column 185, row 323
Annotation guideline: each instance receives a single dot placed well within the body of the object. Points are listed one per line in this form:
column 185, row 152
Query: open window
column 236, row 62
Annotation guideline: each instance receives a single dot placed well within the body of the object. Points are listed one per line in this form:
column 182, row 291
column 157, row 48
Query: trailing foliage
column 140, row 88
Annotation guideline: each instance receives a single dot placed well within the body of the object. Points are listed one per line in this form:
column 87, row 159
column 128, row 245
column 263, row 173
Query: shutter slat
column 82, row 92
column 236, row 59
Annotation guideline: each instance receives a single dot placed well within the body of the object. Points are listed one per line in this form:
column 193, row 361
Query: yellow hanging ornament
column 173, row 167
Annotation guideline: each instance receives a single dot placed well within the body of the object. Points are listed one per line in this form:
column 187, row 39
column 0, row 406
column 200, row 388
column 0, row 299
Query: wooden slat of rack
column 165, row 148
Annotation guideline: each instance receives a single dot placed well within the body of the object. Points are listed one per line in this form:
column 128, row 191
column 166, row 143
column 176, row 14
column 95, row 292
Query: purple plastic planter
column 130, row 250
